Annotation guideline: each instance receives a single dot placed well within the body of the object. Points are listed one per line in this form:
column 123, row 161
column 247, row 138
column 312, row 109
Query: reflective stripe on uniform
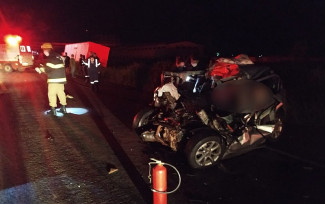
column 58, row 80
column 95, row 81
column 88, row 63
column 55, row 66
column 97, row 63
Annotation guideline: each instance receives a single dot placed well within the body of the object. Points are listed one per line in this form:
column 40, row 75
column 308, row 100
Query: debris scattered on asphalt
column 110, row 168
column 49, row 136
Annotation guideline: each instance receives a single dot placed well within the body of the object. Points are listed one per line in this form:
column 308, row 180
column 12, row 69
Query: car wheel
column 142, row 118
column 204, row 151
column 7, row 68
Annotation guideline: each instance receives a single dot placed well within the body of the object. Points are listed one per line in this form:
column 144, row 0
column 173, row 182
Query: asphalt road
column 46, row 159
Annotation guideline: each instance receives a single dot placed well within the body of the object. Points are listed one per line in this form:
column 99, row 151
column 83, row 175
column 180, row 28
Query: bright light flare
column 13, row 40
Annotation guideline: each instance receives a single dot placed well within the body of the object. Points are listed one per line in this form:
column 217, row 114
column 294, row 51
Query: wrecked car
column 211, row 119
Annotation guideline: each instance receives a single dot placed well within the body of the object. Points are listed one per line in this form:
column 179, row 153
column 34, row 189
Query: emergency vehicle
column 15, row 56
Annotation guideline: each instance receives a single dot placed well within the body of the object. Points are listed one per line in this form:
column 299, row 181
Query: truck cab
column 15, row 56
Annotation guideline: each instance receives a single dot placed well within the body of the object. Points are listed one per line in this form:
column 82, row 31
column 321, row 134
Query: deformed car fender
column 141, row 116
column 205, row 130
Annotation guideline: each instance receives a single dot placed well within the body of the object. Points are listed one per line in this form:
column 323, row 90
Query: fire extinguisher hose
column 155, row 161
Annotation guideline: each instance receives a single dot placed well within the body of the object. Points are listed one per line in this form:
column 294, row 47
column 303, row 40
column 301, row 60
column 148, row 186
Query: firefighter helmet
column 46, row 46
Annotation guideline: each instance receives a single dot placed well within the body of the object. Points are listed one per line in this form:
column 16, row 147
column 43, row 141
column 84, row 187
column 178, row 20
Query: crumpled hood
column 171, row 88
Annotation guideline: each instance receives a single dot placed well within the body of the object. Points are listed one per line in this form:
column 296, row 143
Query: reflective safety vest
column 54, row 68
column 88, row 64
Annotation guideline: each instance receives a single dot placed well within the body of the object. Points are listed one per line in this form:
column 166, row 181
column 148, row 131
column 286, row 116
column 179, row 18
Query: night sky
column 274, row 27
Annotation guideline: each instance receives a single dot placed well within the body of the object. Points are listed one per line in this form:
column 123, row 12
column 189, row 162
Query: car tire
column 142, row 118
column 7, row 68
column 204, row 150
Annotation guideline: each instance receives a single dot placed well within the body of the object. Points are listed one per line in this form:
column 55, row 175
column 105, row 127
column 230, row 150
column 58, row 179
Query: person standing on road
column 83, row 67
column 98, row 60
column 56, row 78
column 73, row 66
column 93, row 69
column 66, row 62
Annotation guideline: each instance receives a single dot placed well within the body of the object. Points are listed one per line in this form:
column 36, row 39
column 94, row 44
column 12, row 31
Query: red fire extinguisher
column 159, row 181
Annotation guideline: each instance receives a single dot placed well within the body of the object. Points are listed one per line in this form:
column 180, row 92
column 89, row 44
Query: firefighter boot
column 52, row 111
column 63, row 109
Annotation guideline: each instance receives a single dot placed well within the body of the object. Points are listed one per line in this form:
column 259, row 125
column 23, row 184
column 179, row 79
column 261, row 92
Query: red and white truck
column 14, row 56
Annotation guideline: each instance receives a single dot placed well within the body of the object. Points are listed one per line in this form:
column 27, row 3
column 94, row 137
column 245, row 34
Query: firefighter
column 56, row 78
column 93, row 69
